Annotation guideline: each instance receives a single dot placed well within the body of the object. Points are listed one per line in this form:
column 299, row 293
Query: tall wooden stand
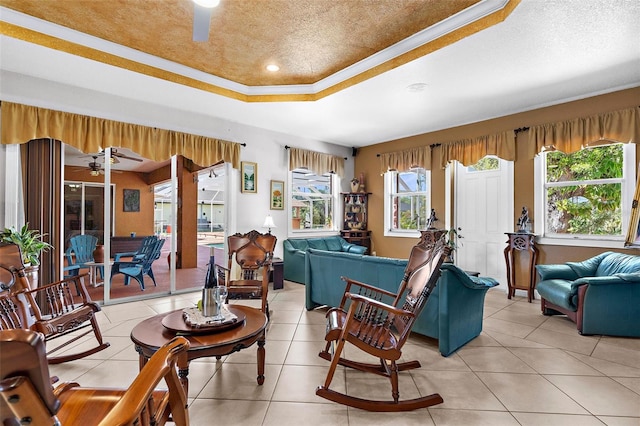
column 523, row 243
column 354, row 225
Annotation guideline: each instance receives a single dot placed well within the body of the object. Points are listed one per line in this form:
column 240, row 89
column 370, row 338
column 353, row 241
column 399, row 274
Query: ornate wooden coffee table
column 149, row 335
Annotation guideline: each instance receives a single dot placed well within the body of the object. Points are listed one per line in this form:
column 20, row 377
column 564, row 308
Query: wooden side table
column 524, row 243
column 277, row 273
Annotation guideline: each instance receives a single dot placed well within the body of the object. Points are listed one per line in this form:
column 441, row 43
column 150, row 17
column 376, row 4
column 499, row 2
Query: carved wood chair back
column 57, row 309
column 24, row 372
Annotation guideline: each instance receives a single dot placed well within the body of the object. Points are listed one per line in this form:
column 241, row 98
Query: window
column 312, row 201
column 84, row 210
column 407, row 201
column 586, row 195
column 487, row 163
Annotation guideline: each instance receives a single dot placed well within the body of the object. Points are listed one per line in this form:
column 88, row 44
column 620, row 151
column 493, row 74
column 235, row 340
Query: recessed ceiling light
column 273, row 68
column 417, row 87
column 207, row 3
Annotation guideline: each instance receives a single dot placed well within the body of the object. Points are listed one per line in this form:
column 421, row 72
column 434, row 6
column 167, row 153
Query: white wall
column 264, row 147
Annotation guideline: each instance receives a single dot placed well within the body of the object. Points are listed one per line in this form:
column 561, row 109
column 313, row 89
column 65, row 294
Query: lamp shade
column 268, row 223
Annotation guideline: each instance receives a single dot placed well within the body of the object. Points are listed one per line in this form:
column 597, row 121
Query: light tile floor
column 524, row 369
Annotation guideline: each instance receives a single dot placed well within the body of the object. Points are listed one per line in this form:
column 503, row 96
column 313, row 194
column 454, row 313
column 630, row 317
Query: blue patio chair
column 148, row 244
column 80, row 251
column 139, row 266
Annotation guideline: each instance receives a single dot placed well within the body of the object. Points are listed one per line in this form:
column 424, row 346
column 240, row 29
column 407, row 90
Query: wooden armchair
column 26, row 391
column 251, row 254
column 140, row 264
column 51, row 309
column 374, row 321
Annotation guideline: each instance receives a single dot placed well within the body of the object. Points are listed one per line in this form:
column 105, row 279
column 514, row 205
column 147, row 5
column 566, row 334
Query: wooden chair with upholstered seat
column 379, row 322
column 51, row 309
column 250, row 254
column 26, row 391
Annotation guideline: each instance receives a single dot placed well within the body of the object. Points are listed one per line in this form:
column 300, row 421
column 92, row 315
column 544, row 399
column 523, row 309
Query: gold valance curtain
column 470, row 151
column 406, row 159
column 573, row 135
column 22, row 123
column 316, row 162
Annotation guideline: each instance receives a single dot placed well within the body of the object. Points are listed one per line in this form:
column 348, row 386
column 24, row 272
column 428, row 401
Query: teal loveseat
column 295, row 248
column 453, row 313
column 601, row 294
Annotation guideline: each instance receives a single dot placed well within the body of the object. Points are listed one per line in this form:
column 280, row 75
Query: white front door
column 483, row 203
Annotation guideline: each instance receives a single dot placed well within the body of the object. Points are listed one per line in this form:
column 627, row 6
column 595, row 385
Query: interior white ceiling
column 546, row 52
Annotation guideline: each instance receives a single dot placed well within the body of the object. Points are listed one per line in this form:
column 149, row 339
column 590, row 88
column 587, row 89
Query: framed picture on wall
column 277, row 195
column 249, row 177
column 131, row 200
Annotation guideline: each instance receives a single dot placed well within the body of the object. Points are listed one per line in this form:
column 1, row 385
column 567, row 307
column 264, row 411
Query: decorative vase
column 98, row 254
column 31, row 273
column 355, row 185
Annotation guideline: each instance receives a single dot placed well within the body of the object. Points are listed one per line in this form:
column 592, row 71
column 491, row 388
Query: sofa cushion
column 616, row 263
column 299, row 244
column 333, row 243
column 317, row 243
column 559, row 292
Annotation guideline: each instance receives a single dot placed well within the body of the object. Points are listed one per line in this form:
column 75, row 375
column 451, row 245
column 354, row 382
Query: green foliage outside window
column 486, row 163
column 592, row 208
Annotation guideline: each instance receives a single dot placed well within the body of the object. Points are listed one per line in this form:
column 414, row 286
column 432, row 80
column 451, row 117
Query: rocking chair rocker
column 50, row 309
column 370, row 319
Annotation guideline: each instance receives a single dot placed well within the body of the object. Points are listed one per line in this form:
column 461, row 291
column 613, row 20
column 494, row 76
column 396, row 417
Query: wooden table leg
column 183, row 372
column 261, row 356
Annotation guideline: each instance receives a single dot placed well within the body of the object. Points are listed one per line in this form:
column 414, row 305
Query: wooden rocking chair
column 27, row 396
column 50, row 309
column 252, row 254
column 372, row 320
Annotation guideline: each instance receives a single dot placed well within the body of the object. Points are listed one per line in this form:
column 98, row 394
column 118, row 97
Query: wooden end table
column 149, row 335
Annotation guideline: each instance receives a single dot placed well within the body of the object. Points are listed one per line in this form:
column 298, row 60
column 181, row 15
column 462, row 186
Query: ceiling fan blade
column 201, row 21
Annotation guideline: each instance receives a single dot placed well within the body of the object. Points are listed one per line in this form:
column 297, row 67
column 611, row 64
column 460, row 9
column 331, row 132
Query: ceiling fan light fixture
column 94, row 173
column 210, row 4
column 273, row 68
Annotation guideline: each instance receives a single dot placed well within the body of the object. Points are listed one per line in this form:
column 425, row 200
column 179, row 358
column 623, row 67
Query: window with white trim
column 407, row 201
column 584, row 198
column 312, row 201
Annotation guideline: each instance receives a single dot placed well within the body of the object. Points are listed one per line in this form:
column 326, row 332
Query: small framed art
column 249, row 173
column 277, row 195
column 131, row 200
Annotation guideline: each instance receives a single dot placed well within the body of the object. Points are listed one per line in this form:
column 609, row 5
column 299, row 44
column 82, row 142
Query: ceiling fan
column 94, row 167
column 115, row 156
column 202, row 18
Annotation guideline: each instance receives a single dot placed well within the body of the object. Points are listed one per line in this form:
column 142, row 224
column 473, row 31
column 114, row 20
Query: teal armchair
column 601, row 294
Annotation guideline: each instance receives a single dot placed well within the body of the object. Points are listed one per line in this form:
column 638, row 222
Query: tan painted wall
column 366, row 162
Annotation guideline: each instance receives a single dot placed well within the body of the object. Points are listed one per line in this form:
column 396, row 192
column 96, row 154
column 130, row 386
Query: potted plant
column 29, row 241
column 451, row 240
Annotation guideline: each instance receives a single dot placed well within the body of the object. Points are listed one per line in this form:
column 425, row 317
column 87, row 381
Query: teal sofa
column 295, row 248
column 453, row 313
column 601, row 294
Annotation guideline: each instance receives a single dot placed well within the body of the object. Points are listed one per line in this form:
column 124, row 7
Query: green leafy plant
column 29, row 241
column 451, row 238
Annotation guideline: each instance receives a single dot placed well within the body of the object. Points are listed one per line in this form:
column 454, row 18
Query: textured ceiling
column 495, row 58
column 309, row 39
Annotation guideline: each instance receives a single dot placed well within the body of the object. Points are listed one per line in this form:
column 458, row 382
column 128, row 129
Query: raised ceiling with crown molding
column 490, row 59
